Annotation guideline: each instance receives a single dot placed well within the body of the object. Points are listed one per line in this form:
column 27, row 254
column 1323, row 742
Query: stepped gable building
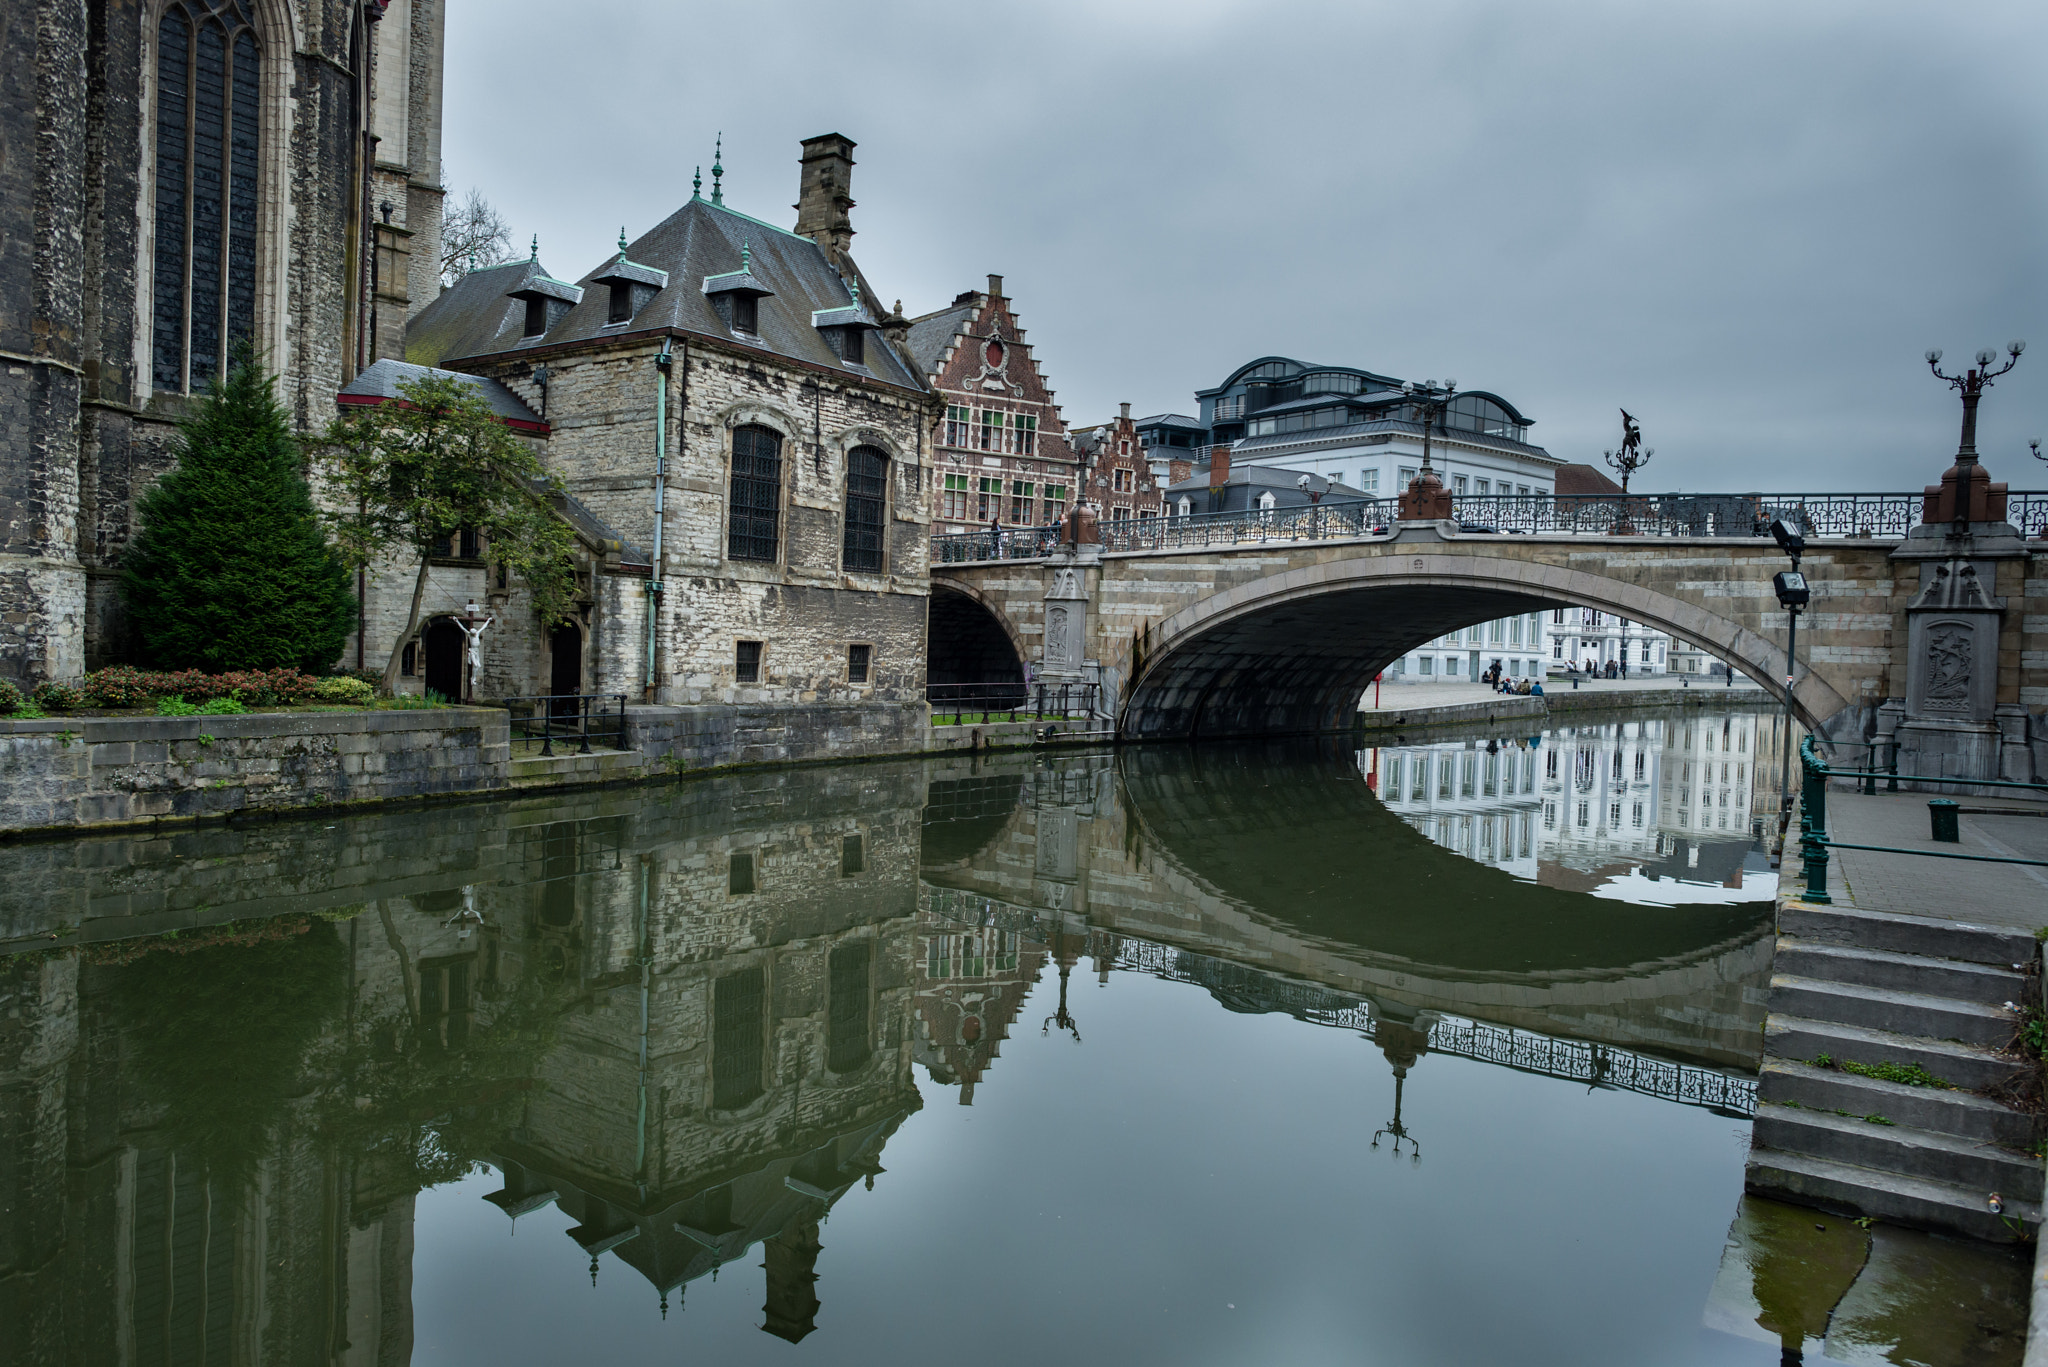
column 1002, row 451
column 188, row 176
column 1121, row 481
column 721, row 393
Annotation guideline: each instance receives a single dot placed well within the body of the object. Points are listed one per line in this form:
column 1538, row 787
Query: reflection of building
column 1585, row 804
column 685, row 1024
column 1589, row 639
column 972, row 980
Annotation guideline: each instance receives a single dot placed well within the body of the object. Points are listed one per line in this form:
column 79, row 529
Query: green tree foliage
column 406, row 476
column 230, row 568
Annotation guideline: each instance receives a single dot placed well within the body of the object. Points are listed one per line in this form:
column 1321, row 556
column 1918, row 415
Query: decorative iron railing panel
column 1596, row 1065
column 581, row 721
column 1816, row 516
column 965, row 704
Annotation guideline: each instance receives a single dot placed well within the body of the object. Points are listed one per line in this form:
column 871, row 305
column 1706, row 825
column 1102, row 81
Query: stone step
column 1883, row 1008
column 1930, row 936
column 1963, row 1065
column 1851, row 1190
column 1986, row 984
column 1964, row 1114
column 1897, row 1148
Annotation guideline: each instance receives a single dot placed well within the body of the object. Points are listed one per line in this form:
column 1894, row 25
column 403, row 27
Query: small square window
column 857, row 658
column 747, row 662
column 739, row 873
column 852, row 857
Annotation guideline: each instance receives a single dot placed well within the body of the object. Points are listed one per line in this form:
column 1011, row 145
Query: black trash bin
column 1942, row 815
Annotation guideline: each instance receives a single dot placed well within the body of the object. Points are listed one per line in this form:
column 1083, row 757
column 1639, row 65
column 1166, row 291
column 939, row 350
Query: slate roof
column 382, row 379
column 1171, row 420
column 632, row 272
column 933, row 333
column 470, row 314
column 698, row 240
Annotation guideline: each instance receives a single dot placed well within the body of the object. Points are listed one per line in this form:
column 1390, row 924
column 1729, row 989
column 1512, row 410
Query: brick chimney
column 995, row 287
column 1124, row 411
column 1219, row 466
column 825, row 192
column 1178, row 470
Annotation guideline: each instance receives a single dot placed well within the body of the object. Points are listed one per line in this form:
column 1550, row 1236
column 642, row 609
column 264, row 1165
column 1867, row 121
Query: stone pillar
column 393, row 294
column 1951, row 722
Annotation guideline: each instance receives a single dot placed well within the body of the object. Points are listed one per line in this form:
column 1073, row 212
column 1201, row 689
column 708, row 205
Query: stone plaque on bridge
column 1066, row 616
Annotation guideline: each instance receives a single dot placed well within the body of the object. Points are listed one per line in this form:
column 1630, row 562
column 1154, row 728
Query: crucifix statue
column 474, row 634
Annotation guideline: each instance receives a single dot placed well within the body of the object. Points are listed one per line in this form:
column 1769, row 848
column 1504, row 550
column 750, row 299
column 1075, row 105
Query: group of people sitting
column 1495, row 675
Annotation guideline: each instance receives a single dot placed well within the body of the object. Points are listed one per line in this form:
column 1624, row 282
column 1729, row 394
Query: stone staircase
column 1878, row 988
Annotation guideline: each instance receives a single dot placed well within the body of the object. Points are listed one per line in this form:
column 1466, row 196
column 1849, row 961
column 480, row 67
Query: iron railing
column 585, row 721
column 969, row 703
column 1839, row 516
column 1814, row 844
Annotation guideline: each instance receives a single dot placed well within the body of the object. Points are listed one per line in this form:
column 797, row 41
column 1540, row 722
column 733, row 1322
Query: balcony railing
column 966, row 704
column 1743, row 516
column 579, row 722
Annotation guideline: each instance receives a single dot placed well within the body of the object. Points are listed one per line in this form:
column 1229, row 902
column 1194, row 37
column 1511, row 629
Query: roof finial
column 697, row 184
column 622, row 242
column 533, row 253
column 853, row 288
column 746, row 256
column 718, row 170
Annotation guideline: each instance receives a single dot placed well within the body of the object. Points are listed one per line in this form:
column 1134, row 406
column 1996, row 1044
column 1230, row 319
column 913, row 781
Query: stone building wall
column 83, row 431
column 803, row 608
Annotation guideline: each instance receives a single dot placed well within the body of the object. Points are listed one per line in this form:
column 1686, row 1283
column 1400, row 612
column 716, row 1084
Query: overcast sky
column 1743, row 222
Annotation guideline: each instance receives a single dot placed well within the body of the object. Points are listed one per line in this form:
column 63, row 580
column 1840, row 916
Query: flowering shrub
column 10, row 697
column 126, row 686
column 52, row 696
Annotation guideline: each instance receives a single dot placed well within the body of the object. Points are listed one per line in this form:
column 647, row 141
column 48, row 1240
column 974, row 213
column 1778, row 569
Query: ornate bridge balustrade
column 1816, row 516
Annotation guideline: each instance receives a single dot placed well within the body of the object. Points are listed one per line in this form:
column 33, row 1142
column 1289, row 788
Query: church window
column 209, row 66
column 738, row 1038
column 866, row 492
column 755, row 498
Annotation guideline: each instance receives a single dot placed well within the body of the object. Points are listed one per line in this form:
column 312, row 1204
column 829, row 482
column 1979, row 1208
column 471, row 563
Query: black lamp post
column 1793, row 594
column 1972, row 383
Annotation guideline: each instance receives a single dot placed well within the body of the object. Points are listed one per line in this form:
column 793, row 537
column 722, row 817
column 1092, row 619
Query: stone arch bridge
column 1282, row 635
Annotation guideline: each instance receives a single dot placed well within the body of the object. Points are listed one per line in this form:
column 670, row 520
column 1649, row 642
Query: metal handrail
column 1021, row 701
column 1813, row 821
column 1737, row 516
column 580, row 717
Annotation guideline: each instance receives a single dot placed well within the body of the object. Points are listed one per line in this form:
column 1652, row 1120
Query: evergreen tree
column 231, row 568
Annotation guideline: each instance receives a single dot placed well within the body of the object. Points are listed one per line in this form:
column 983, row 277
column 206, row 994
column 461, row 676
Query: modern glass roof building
column 1357, row 427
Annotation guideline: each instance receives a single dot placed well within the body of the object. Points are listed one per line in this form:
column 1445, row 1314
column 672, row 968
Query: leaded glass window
column 209, row 68
column 737, row 1038
column 755, row 504
column 866, row 492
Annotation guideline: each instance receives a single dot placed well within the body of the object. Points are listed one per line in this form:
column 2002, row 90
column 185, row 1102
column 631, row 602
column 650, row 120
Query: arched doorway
column 565, row 668
column 444, row 642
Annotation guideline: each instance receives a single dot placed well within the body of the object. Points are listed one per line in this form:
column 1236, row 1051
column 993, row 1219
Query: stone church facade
column 177, row 176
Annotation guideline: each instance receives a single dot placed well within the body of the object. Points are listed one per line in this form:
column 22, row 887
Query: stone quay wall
column 69, row 773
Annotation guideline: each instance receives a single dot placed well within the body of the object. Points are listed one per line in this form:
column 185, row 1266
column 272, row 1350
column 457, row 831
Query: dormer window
column 851, row 346
column 546, row 298
column 632, row 286
column 737, row 295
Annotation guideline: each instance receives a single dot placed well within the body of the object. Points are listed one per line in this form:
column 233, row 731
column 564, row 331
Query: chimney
column 995, row 286
column 825, row 193
column 1178, row 470
column 1126, row 411
column 1219, row 466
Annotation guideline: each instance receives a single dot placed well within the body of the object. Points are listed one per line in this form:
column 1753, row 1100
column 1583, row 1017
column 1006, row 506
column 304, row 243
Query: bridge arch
column 968, row 639
column 1291, row 652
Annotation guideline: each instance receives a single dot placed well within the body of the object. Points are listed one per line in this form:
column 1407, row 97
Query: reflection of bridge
column 1243, row 988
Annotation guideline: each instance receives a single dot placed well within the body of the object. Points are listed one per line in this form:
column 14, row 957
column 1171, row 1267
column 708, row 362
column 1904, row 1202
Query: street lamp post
column 1425, row 497
column 1972, row 383
column 1793, row 594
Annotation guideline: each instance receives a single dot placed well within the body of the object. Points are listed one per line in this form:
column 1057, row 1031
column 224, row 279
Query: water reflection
column 1654, row 809
column 672, row 1033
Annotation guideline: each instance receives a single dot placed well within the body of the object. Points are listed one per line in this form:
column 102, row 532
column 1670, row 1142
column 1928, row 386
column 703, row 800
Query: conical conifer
column 230, row 568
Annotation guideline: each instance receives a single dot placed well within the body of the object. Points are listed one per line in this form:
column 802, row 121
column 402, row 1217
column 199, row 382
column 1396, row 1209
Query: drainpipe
column 661, row 365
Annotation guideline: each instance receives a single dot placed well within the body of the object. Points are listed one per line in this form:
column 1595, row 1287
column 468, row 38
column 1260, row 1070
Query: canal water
column 1437, row 1051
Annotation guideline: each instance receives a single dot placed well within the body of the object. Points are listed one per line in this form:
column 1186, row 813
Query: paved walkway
column 1410, row 696
column 1954, row 889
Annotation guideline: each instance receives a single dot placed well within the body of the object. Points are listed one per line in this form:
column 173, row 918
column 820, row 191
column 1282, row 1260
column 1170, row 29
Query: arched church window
column 754, row 504
column 866, row 496
column 209, row 63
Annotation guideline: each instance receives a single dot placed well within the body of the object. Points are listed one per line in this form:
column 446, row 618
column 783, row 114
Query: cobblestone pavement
column 1990, row 894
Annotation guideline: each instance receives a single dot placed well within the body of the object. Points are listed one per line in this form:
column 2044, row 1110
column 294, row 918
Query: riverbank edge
column 67, row 776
